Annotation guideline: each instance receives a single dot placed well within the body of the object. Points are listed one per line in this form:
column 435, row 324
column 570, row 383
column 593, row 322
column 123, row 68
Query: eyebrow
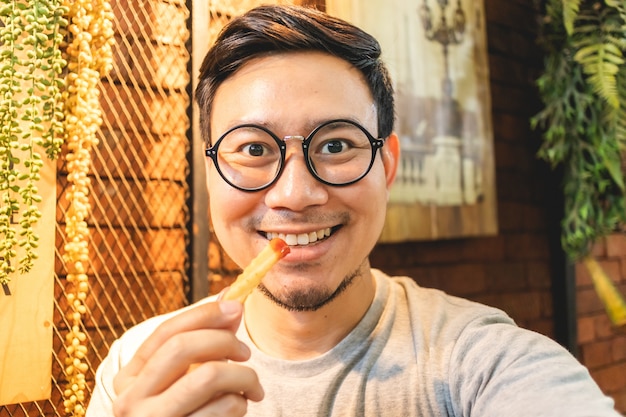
column 309, row 126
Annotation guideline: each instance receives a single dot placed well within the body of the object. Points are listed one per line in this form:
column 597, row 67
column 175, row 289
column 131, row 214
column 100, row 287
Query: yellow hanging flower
column 89, row 57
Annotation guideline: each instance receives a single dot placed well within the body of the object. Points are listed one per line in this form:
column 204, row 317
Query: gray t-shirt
column 416, row 352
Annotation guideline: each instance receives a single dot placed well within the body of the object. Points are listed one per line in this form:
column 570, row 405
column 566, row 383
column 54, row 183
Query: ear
column 391, row 157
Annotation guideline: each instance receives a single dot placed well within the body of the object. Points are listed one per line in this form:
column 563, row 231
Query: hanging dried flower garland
column 31, row 112
column 89, row 57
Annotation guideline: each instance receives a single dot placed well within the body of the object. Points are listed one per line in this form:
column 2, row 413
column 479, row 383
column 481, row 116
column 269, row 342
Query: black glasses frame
column 376, row 144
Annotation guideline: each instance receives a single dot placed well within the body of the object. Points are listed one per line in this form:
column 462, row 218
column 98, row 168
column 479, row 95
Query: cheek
column 374, row 206
column 227, row 205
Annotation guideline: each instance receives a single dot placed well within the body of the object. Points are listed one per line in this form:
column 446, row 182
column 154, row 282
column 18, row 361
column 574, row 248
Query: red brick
column 506, row 276
column 611, row 378
column 619, row 348
column 543, row 326
column 145, row 156
column 462, row 279
column 547, row 308
column 604, row 327
column 146, row 110
column 612, row 268
column 596, row 354
column 599, row 248
column 583, row 277
column 482, row 249
column 520, row 306
column 539, row 275
column 585, row 329
column 509, row 126
column 425, row 277
column 614, row 271
column 517, row 16
column 616, row 245
column 587, row 301
column 148, row 204
column 534, row 218
column 527, row 247
column 620, row 401
column 510, row 216
column 621, row 277
column 622, row 271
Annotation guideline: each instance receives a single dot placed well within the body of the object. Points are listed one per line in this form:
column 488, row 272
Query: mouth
column 303, row 239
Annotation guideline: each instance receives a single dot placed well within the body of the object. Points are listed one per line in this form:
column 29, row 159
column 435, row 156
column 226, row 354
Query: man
column 297, row 110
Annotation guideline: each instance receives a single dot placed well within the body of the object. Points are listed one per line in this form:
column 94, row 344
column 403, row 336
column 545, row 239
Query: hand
column 183, row 368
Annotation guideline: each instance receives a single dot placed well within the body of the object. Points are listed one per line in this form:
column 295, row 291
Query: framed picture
column 436, row 51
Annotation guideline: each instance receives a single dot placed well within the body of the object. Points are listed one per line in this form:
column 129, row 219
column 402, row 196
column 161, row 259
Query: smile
column 301, row 239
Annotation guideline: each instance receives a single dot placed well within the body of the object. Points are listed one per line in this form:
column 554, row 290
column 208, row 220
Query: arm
column 184, row 366
column 502, row 370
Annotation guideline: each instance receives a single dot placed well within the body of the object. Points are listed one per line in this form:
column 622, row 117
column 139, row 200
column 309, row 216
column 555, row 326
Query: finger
column 220, row 296
column 222, row 315
column 208, row 389
column 231, row 405
column 172, row 360
column 207, row 385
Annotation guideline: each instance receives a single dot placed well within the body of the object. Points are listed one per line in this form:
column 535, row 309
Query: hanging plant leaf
column 570, row 12
column 583, row 89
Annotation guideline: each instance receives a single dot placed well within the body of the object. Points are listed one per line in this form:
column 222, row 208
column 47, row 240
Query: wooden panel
column 26, row 314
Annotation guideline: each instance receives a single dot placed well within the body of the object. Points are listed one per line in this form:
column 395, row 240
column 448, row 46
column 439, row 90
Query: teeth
column 302, row 238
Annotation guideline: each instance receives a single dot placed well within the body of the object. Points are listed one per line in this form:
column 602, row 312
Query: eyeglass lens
column 338, row 153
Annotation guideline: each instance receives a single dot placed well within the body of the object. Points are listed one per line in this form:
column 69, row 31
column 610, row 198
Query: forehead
column 293, row 91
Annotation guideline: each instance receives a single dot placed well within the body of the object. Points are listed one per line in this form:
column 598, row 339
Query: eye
column 334, row 146
column 255, row 149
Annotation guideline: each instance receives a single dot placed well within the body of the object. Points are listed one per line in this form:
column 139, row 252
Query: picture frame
column 436, row 51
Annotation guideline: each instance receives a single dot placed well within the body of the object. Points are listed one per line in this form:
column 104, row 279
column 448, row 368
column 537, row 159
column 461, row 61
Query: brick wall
column 514, row 270
column 602, row 346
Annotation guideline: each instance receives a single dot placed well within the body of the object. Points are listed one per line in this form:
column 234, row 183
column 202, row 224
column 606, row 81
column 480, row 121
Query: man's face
column 291, row 94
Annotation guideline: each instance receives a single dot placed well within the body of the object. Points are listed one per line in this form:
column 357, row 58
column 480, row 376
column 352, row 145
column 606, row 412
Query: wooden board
column 26, row 314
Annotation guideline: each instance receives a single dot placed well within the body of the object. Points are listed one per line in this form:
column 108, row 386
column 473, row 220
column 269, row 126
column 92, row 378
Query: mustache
column 313, row 217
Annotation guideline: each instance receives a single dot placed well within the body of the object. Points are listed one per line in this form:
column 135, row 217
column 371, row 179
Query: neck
column 298, row 335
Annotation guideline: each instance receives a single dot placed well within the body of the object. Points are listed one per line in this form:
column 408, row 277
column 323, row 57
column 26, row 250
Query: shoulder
column 488, row 365
column 434, row 308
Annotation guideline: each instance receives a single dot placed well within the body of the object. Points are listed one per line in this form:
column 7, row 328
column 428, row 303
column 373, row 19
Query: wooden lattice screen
column 139, row 220
column 140, row 184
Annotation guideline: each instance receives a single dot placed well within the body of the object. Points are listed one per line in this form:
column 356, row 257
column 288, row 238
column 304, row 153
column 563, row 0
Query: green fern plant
column 583, row 89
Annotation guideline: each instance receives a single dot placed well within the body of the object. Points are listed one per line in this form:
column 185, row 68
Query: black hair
column 278, row 29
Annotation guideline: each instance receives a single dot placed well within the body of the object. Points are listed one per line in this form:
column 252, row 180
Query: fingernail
column 245, row 349
column 229, row 308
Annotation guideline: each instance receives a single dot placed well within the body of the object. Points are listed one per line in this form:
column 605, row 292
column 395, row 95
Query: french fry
column 253, row 274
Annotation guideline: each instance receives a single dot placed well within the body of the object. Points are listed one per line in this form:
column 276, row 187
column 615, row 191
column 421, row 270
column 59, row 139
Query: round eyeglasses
column 338, row 152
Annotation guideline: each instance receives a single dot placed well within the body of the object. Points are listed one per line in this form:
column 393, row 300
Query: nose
column 296, row 189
